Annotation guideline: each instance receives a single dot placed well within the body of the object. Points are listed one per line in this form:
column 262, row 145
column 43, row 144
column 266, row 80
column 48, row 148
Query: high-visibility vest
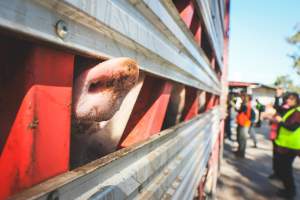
column 287, row 138
column 243, row 119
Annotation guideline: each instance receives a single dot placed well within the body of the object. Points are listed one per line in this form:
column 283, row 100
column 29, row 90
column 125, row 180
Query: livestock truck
column 112, row 99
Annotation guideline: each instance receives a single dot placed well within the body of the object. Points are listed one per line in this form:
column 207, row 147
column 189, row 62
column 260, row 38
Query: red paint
column 216, row 100
column 149, row 111
column 35, row 114
column 195, row 28
column 241, row 84
column 213, row 63
column 216, row 153
column 189, row 15
column 191, row 106
column 224, row 74
column 197, row 35
column 210, row 101
column 201, row 191
column 186, row 10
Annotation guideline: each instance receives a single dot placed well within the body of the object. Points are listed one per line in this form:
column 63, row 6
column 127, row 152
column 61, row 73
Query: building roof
column 240, row 84
column 248, row 84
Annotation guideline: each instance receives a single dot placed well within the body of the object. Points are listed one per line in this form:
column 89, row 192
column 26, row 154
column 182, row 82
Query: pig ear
column 99, row 91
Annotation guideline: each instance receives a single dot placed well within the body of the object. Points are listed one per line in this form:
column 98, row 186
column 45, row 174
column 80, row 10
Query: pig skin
column 97, row 95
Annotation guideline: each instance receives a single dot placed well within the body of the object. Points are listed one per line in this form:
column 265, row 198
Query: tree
column 283, row 81
column 295, row 40
column 286, row 83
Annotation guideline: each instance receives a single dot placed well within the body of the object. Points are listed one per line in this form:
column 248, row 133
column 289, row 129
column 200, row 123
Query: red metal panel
column 201, row 192
column 195, row 28
column 197, row 34
column 224, row 75
column 149, row 111
column 190, row 17
column 210, row 101
column 222, row 130
column 191, row 106
column 216, row 100
column 213, row 63
column 186, row 10
column 36, row 90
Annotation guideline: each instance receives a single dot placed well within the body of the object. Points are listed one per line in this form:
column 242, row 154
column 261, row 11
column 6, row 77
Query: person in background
column 280, row 102
column 244, row 122
column 280, row 108
column 261, row 108
column 229, row 122
column 228, row 118
column 288, row 144
column 251, row 128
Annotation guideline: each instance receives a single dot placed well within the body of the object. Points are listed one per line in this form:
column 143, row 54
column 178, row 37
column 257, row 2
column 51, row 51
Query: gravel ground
column 248, row 178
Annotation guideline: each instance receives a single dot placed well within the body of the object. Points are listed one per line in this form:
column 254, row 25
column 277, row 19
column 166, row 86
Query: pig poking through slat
column 97, row 95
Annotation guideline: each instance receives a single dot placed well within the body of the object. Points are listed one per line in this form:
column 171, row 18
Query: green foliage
column 283, row 81
column 286, row 83
column 295, row 41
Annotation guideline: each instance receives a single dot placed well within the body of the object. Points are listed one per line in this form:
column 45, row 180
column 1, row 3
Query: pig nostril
column 101, row 85
column 95, row 87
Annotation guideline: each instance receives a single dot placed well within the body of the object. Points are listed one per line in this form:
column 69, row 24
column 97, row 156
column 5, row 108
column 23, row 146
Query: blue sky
column 258, row 30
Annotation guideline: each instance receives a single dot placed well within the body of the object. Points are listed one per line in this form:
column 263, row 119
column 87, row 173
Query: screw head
column 61, row 29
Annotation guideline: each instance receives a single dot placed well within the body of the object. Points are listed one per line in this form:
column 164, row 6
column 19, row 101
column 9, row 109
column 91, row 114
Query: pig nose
column 99, row 91
column 114, row 74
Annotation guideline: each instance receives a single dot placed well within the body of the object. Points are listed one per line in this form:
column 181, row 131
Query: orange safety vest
column 243, row 119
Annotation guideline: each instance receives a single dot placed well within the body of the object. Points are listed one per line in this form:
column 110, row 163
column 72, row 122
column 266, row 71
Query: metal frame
column 171, row 163
column 102, row 29
column 149, row 111
column 162, row 167
column 39, row 94
column 210, row 12
column 164, row 15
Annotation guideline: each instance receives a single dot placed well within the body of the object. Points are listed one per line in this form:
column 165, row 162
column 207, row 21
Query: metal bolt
column 61, row 29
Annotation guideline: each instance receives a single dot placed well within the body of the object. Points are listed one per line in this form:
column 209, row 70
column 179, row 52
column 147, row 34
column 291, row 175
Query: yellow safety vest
column 287, row 138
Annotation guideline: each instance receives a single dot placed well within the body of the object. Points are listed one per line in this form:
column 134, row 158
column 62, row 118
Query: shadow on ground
column 248, row 178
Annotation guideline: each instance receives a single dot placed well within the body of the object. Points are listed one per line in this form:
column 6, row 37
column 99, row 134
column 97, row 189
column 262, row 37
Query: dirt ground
column 248, row 178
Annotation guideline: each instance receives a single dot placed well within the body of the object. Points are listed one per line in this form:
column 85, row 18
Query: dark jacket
column 293, row 122
column 278, row 105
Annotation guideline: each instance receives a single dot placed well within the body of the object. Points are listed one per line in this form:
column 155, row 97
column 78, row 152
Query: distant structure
column 263, row 93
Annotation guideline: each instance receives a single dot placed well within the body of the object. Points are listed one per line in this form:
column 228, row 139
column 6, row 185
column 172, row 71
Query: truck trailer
column 154, row 73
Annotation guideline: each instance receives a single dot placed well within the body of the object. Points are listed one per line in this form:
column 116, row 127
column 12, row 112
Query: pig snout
column 99, row 91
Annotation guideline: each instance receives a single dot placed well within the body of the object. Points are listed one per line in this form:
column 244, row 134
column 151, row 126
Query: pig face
column 99, row 91
column 97, row 95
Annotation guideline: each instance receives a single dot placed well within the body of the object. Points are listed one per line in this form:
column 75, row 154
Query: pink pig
column 97, row 96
